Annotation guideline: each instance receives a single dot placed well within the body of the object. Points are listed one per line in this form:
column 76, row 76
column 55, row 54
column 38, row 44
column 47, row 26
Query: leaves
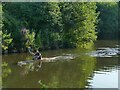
column 55, row 25
column 79, row 23
column 30, row 37
column 6, row 40
column 108, row 22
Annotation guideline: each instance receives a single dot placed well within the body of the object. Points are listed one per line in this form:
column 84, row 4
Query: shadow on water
column 79, row 72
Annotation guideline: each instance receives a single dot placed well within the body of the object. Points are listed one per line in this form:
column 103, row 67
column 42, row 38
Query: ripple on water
column 105, row 52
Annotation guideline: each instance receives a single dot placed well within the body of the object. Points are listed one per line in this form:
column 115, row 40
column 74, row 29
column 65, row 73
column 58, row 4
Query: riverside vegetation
column 55, row 25
column 51, row 25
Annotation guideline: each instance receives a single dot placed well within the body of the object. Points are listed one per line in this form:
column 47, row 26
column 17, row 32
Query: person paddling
column 37, row 55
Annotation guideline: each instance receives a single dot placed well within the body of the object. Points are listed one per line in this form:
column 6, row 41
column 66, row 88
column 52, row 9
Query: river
column 83, row 71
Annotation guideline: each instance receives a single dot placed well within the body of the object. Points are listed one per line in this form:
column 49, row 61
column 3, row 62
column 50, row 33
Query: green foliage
column 108, row 18
column 55, row 40
column 6, row 40
column 29, row 37
column 1, row 12
column 45, row 19
column 38, row 43
column 79, row 24
column 119, row 20
column 17, row 40
column 55, row 25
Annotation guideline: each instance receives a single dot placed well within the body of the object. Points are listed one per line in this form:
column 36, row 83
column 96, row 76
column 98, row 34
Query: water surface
column 84, row 71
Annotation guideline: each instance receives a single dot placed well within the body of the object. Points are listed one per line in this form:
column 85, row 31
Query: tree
column 42, row 17
column 108, row 24
column 5, row 36
column 56, row 25
column 38, row 43
column 118, row 20
column 79, row 23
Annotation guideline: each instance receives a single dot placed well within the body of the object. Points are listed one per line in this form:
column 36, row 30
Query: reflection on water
column 106, row 74
column 105, row 52
column 79, row 72
column 49, row 59
column 101, row 80
column 5, row 70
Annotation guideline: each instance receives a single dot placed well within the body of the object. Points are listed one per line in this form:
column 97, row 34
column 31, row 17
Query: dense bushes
column 57, row 25
column 108, row 24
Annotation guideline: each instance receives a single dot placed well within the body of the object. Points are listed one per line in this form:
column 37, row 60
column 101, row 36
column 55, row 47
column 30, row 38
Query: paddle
column 30, row 50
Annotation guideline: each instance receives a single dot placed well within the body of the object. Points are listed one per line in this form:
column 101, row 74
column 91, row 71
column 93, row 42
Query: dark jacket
column 38, row 55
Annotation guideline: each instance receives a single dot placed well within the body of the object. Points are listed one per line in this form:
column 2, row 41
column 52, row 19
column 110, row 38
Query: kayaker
column 37, row 55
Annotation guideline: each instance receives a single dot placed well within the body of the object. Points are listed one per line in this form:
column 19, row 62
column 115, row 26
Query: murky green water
column 81, row 72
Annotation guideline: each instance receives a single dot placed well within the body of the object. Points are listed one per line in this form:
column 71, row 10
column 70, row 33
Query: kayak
column 50, row 59
column 33, row 61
